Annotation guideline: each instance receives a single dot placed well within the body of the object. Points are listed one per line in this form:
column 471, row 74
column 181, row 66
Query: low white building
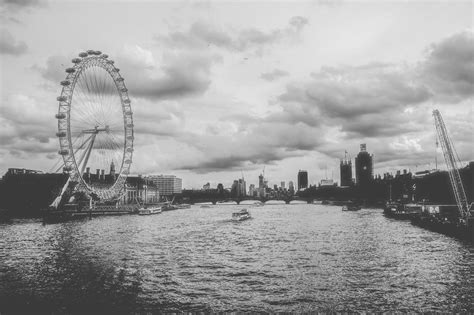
column 167, row 184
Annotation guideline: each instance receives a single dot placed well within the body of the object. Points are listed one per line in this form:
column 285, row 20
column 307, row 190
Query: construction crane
column 453, row 169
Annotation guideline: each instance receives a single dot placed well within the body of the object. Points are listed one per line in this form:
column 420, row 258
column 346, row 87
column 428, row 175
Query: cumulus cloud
column 25, row 125
column 449, row 68
column 54, row 68
column 176, row 75
column 369, row 100
column 274, row 75
column 161, row 119
column 262, row 141
column 202, row 35
column 10, row 46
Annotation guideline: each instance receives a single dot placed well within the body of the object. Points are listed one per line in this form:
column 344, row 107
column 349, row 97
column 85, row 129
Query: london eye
column 95, row 126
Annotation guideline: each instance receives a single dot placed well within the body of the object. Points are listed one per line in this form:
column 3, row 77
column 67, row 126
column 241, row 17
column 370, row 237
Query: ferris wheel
column 95, row 126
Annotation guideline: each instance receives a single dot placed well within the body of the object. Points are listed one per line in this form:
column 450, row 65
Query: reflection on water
column 287, row 258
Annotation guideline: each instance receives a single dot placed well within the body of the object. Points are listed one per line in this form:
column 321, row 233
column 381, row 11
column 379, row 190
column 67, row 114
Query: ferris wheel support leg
column 75, row 152
column 58, row 199
column 80, row 147
column 88, row 153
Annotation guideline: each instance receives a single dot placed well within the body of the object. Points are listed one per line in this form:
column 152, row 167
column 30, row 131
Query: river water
column 295, row 257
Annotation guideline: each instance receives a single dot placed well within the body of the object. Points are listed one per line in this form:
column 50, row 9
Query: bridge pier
column 214, row 202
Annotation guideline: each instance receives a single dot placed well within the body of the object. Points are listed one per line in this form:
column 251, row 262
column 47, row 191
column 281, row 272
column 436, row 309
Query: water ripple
column 288, row 258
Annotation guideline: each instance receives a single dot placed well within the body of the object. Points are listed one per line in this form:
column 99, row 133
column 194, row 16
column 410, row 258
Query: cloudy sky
column 220, row 88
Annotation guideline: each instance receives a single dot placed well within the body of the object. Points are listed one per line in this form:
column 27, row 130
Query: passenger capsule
column 110, row 62
column 60, row 116
column 130, row 138
column 61, row 134
column 91, row 52
column 63, row 152
column 65, row 83
column 83, row 54
column 124, row 90
column 76, row 60
column 130, row 150
column 120, row 79
column 129, row 125
column 61, row 98
column 128, row 161
column 70, row 70
column 105, row 56
column 126, row 101
column 98, row 52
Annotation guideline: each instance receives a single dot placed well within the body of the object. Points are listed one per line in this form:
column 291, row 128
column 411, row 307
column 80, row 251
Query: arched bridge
column 238, row 200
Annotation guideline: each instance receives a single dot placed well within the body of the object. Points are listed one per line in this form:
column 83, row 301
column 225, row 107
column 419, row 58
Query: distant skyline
column 223, row 88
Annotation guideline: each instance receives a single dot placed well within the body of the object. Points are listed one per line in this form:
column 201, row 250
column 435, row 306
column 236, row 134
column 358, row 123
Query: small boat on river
column 148, row 210
column 351, row 208
column 241, row 215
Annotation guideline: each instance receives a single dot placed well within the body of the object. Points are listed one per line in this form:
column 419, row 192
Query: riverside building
column 167, row 184
column 302, row 179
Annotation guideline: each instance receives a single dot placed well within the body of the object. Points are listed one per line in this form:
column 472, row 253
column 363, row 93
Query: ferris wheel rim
column 86, row 60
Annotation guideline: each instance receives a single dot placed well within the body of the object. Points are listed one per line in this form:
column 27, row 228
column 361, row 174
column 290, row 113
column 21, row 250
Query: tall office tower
column 364, row 167
column 251, row 189
column 302, row 179
column 261, row 183
column 242, row 187
column 291, row 187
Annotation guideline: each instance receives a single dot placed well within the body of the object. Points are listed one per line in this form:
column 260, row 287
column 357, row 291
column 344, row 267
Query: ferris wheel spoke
column 100, row 85
column 85, row 85
column 96, row 89
column 92, row 100
column 98, row 96
column 84, row 111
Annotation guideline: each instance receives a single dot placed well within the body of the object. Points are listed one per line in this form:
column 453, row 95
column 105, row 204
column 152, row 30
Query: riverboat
column 149, row 210
column 241, row 215
column 402, row 211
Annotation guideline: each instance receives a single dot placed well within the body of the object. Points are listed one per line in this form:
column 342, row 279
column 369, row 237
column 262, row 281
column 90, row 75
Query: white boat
column 258, row 204
column 241, row 215
column 149, row 210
